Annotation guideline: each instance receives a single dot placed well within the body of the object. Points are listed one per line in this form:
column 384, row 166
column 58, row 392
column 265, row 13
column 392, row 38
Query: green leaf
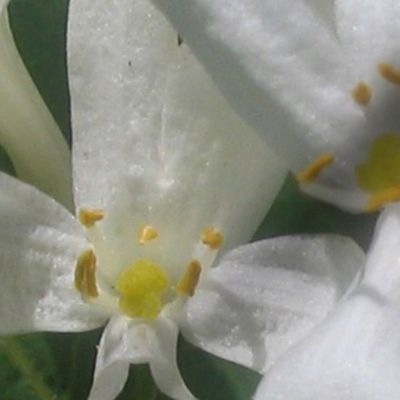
column 6, row 164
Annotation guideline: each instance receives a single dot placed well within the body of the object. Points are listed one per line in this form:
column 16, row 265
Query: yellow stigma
column 382, row 167
column 313, row 170
column 147, row 233
column 380, row 174
column 189, row 279
column 141, row 288
column 89, row 216
column 85, row 274
column 361, row 93
column 212, row 238
column 390, row 73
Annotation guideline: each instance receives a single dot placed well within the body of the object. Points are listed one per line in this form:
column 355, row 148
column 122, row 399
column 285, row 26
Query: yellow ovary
column 141, row 288
column 379, row 176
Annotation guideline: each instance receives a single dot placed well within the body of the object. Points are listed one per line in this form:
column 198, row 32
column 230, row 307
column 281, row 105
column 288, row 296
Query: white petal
column 154, row 139
column 164, row 366
column 112, row 363
column 279, row 65
column 266, row 296
column 355, row 353
column 368, row 29
column 39, row 244
column 125, row 342
column 27, row 130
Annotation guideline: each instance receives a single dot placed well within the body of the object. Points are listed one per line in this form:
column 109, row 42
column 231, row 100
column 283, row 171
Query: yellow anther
column 212, row 238
column 389, row 72
column 312, row 171
column 147, row 233
column 85, row 274
column 141, row 288
column 190, row 278
column 376, row 201
column 89, row 216
column 361, row 93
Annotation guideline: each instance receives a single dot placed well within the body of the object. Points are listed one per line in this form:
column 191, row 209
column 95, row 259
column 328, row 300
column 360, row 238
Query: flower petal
column 125, row 342
column 355, row 353
column 266, row 296
column 279, row 64
column 154, row 139
column 39, row 244
column 367, row 29
column 27, row 129
column 284, row 68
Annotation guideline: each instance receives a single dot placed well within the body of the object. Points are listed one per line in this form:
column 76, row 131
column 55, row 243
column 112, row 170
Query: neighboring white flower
column 355, row 353
column 319, row 79
column 28, row 132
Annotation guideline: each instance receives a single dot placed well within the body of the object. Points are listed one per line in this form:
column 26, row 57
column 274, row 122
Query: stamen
column 361, row 93
column 147, row 233
column 89, row 216
column 312, row 171
column 189, row 279
column 85, row 274
column 379, row 199
column 390, row 73
column 212, row 238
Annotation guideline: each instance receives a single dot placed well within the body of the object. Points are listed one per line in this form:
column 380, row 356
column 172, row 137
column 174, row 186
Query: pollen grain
column 212, row 238
column 389, row 72
column 378, row 200
column 362, row 93
column 147, row 233
column 313, row 170
column 89, row 216
column 190, row 278
column 85, row 274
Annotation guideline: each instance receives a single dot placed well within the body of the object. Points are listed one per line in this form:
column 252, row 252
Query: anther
column 212, row 238
column 361, row 93
column 89, row 216
column 376, row 201
column 85, row 274
column 147, row 233
column 389, row 72
column 313, row 170
column 190, row 278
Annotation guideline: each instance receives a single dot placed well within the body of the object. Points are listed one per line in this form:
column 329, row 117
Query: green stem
column 27, row 369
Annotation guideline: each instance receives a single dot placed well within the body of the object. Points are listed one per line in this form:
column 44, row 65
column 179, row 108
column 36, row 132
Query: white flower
column 28, row 132
column 319, row 79
column 355, row 353
column 165, row 177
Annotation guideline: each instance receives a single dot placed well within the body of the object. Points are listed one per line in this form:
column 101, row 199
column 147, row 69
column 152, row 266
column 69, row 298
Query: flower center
column 141, row 287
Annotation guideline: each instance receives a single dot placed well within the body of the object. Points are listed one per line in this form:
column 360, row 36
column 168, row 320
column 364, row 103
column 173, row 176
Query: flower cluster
column 146, row 230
